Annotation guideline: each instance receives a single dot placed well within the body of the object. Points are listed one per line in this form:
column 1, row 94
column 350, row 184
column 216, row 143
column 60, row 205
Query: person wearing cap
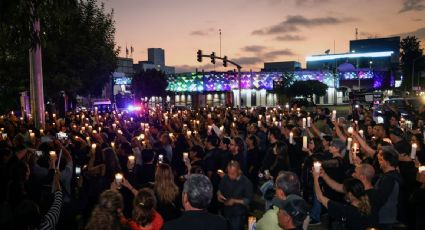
column 287, row 185
column 292, row 212
column 196, row 197
column 399, row 143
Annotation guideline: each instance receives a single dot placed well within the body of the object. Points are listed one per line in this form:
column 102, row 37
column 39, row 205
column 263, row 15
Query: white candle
column 304, row 141
column 317, row 165
column 185, row 156
column 114, row 126
column 113, row 145
column 160, row 158
column 118, row 178
column 309, row 122
column 189, row 133
column 221, row 128
column 93, row 147
column 32, row 136
column 304, row 122
column 52, row 154
column 421, row 169
column 260, row 116
column 259, row 123
column 88, row 140
column 54, row 115
column 41, row 131
column 413, row 152
column 355, row 149
column 350, row 130
column 349, row 140
column 291, row 138
column 131, row 160
column 334, row 115
column 361, row 132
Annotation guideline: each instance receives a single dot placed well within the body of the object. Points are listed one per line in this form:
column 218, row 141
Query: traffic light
column 199, row 53
column 225, row 61
column 213, row 57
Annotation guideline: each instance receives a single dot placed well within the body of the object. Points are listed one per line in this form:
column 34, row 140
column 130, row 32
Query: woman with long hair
column 253, row 154
column 145, row 217
column 105, row 216
column 166, row 192
column 354, row 215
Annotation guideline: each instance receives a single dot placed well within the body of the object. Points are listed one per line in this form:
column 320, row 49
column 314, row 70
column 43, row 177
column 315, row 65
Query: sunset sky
column 257, row 31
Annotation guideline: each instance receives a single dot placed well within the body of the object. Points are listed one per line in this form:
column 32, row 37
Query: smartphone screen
column 39, row 153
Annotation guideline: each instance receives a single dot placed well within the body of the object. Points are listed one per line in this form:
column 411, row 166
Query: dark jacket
column 195, row 220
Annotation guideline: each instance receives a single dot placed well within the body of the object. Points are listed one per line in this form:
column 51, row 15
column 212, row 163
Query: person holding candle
column 106, row 214
column 166, row 192
column 357, row 214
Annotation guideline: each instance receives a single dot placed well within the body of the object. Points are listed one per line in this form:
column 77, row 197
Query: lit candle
column 349, row 140
column 350, row 130
column 160, row 158
column 88, row 140
column 291, row 138
column 52, row 154
column 54, row 115
column 413, row 152
column 421, row 169
column 114, row 126
column 361, row 132
column 93, row 147
column 334, row 115
column 309, row 122
column 41, row 131
column 317, row 165
column 118, row 179
column 305, row 142
column 189, row 133
column 32, row 136
column 113, row 145
column 185, row 157
column 355, row 149
column 304, row 122
column 131, row 160
column 259, row 123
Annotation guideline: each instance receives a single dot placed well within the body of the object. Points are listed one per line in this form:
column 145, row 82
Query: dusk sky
column 257, row 31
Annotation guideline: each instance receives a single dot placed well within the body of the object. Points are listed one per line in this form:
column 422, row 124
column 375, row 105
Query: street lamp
column 413, row 70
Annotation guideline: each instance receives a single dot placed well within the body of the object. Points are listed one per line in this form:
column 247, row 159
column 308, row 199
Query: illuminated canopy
column 349, row 55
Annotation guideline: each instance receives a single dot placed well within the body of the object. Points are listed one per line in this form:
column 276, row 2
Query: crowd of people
column 209, row 168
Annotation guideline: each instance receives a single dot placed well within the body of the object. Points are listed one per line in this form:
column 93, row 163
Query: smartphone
column 161, row 158
column 39, row 153
column 77, row 171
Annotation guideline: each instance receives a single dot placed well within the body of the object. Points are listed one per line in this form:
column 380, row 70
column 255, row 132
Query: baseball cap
column 294, row 206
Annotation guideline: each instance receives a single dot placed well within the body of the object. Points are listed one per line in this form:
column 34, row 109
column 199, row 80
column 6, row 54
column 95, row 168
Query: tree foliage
column 307, row 89
column 78, row 47
column 149, row 83
column 410, row 51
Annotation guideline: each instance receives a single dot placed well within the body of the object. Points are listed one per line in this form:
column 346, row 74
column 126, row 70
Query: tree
column 307, row 89
column 149, row 83
column 411, row 52
column 78, row 47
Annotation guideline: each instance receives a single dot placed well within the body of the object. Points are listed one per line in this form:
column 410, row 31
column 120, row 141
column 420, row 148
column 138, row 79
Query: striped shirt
column 52, row 216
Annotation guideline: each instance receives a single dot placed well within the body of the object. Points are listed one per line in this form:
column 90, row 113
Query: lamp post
column 413, row 70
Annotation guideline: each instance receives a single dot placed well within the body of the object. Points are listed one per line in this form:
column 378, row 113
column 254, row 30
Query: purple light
column 134, row 108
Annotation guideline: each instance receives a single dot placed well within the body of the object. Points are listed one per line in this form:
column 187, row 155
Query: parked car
column 406, row 107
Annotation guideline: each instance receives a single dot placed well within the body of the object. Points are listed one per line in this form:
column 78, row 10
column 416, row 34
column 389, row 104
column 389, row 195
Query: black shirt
column 353, row 218
column 195, row 220
column 236, row 189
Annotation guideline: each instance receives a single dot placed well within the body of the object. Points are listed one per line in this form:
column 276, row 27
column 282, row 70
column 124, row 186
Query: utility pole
column 413, row 70
column 36, row 79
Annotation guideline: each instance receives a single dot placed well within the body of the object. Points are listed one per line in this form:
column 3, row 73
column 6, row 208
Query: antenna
column 357, row 33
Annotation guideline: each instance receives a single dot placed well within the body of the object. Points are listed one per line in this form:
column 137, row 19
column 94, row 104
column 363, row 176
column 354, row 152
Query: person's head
column 379, row 131
column 388, row 158
column 237, row 145
column 105, row 214
column 287, row 183
column 164, row 187
column 356, row 195
column 148, row 156
column 125, row 149
column 212, row 142
column 315, row 145
column 225, row 143
column 197, row 192
column 143, row 205
column 252, row 128
column 292, row 212
column 274, row 134
column 326, row 142
column 165, row 139
column 396, row 134
column 196, row 152
column 111, row 161
column 252, row 141
column 370, row 130
column 234, row 170
column 337, row 146
column 393, row 121
column 364, row 172
column 26, row 215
